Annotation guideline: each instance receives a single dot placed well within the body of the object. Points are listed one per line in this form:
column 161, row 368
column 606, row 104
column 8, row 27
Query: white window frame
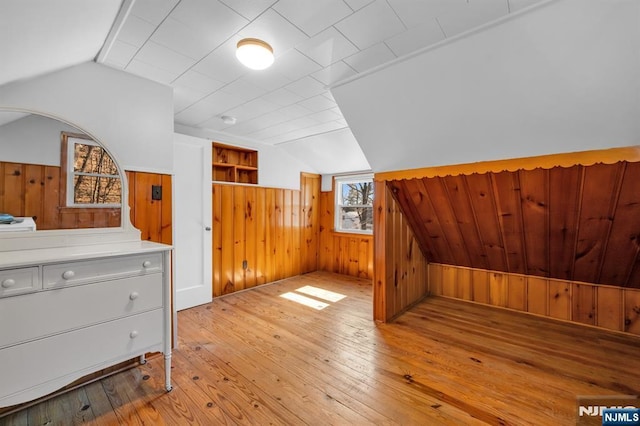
column 71, row 144
column 338, row 182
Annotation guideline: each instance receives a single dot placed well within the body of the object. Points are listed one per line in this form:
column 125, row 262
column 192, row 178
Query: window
column 354, row 204
column 92, row 178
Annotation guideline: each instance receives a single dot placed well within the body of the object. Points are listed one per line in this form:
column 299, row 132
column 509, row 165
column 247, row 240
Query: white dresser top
column 17, row 258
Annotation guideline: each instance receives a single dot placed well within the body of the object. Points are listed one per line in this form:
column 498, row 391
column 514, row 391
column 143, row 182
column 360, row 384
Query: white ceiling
column 189, row 44
column 39, row 36
column 562, row 78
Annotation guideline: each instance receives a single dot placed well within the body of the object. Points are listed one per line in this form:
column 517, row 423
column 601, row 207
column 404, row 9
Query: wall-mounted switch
column 156, row 192
column 245, row 264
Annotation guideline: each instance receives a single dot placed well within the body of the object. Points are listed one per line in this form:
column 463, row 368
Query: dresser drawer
column 82, row 272
column 17, row 281
column 76, row 353
column 44, row 313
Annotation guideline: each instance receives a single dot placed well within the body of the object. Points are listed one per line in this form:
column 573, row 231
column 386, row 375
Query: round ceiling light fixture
column 228, row 120
column 254, row 53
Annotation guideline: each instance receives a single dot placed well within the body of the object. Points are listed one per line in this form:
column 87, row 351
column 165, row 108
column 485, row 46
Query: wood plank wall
column 152, row 217
column 342, row 253
column 578, row 223
column 613, row 308
column 401, row 277
column 275, row 231
column 32, row 190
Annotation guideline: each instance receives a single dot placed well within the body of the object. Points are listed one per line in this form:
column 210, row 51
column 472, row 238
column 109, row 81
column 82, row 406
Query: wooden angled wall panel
column 458, row 196
column 579, row 223
column 534, row 187
column 508, row 201
column 564, row 208
column 619, row 261
column 599, row 196
column 487, row 219
column 611, row 307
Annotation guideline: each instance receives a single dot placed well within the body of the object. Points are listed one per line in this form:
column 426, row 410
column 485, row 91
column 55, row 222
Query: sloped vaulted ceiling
column 560, row 77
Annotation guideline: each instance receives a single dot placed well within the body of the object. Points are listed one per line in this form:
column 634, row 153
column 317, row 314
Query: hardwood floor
column 256, row 358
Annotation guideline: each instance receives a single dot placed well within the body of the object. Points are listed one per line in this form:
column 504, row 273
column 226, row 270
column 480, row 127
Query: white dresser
column 67, row 312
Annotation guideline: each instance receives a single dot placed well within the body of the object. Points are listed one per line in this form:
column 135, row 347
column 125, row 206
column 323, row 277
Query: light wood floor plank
column 255, row 357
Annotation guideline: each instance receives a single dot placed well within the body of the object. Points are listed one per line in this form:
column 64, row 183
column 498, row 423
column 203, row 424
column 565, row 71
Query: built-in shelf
column 234, row 164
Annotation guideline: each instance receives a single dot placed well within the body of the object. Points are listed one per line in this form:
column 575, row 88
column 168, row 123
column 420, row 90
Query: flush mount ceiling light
column 255, row 54
column 228, row 119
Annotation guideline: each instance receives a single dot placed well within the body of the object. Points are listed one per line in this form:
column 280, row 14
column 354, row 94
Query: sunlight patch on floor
column 304, row 300
column 321, row 293
column 316, row 293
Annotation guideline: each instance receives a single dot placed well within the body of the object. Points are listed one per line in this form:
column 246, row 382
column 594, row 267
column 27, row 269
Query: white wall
column 33, row 139
column 132, row 116
column 276, row 167
column 563, row 77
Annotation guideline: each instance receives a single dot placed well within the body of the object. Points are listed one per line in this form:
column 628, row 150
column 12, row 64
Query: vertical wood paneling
column 618, row 265
column 339, row 252
column 517, row 292
column 507, row 193
column 216, row 210
column 395, row 287
column 310, row 200
column 579, row 223
column 448, row 221
column 610, row 307
column 260, row 214
column 535, row 216
column 264, row 227
column 458, row 195
column 34, row 191
column 564, row 205
column 498, row 289
column 480, row 286
column 601, row 183
column 560, row 299
column 537, row 295
column 632, row 311
column 228, row 246
column 381, row 269
column 584, row 304
column 483, row 203
column 251, row 231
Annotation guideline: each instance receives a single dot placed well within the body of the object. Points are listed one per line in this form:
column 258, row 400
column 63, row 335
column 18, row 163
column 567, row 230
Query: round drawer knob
column 67, row 275
column 134, row 295
column 133, row 334
column 146, row 263
column 8, row 283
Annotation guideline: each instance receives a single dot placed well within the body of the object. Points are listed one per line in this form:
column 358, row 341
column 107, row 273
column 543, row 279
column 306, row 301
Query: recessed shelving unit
column 234, row 164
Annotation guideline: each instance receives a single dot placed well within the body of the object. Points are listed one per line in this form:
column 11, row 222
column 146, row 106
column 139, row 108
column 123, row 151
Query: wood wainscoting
column 401, row 277
column 263, row 234
column 152, row 217
column 610, row 307
column 33, row 190
column 340, row 252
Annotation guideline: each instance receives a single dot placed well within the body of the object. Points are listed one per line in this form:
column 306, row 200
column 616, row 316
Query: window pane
column 357, row 193
column 96, row 190
column 93, row 159
column 360, row 218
